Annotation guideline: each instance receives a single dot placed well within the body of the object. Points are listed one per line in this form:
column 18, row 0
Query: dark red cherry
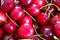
column 7, row 5
column 57, row 29
column 57, row 2
column 40, row 2
column 42, row 18
column 25, row 31
column 17, row 13
column 54, row 19
column 27, row 19
column 3, row 18
column 10, row 27
column 1, row 32
column 47, row 32
column 33, row 10
column 26, row 2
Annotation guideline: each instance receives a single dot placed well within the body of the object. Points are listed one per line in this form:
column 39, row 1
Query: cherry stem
column 55, row 38
column 12, row 20
column 51, row 4
column 29, row 15
column 48, row 6
column 8, row 37
column 37, row 33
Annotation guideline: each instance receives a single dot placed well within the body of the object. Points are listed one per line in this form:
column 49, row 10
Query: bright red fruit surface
column 10, row 27
column 17, row 13
column 7, row 5
column 27, row 19
column 25, row 31
column 33, row 10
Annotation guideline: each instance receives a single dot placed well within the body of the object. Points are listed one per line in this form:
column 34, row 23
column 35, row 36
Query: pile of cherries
column 30, row 19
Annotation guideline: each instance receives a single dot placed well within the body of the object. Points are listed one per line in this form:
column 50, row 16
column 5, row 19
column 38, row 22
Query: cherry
column 33, row 10
column 54, row 19
column 26, row 2
column 27, row 19
column 1, row 32
column 57, row 29
column 57, row 2
column 42, row 18
column 47, row 32
column 40, row 2
column 7, row 5
column 3, row 18
column 10, row 27
column 25, row 31
column 19, row 13
column 36, row 38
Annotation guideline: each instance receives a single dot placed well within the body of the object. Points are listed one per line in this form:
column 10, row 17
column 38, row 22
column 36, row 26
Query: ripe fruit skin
column 3, row 18
column 47, row 32
column 10, row 27
column 40, row 2
column 27, row 19
column 25, row 31
column 17, row 13
column 57, row 29
column 1, row 32
column 33, row 10
column 7, row 5
column 26, row 2
column 42, row 18
column 54, row 19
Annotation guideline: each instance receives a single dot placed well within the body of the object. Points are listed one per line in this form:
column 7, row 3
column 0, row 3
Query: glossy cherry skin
column 1, row 32
column 57, row 2
column 17, row 13
column 10, row 27
column 57, row 29
column 3, row 18
column 27, row 19
column 47, row 32
column 33, row 10
column 42, row 18
column 54, row 19
column 26, row 2
column 7, row 5
column 40, row 2
column 25, row 31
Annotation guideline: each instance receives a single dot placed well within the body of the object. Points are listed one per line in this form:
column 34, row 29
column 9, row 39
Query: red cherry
column 54, row 19
column 10, row 27
column 27, row 19
column 1, row 32
column 25, row 31
column 7, row 5
column 47, row 32
column 3, row 18
column 17, row 13
column 42, row 18
column 57, row 28
column 33, row 10
column 40, row 2
column 26, row 2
